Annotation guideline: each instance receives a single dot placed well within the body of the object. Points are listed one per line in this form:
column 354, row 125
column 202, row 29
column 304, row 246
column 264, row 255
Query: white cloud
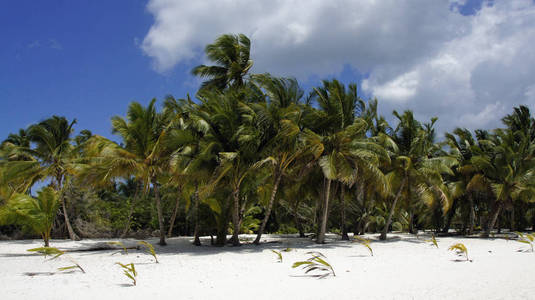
column 419, row 54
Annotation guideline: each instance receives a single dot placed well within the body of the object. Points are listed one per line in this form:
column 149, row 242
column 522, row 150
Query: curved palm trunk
column 160, row 214
column 173, row 218
column 270, row 207
column 72, row 234
column 323, row 229
column 493, row 219
column 392, row 209
column 345, row 237
column 236, row 217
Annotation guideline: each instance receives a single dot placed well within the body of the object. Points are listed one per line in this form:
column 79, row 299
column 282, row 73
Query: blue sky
column 89, row 59
column 79, row 59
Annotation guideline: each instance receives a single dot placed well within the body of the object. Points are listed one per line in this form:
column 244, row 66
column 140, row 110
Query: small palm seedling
column 526, row 239
column 150, row 249
column 433, row 241
column 120, row 244
column 129, row 270
column 316, row 263
column 287, row 250
column 364, row 242
column 460, row 249
column 49, row 251
column 279, row 255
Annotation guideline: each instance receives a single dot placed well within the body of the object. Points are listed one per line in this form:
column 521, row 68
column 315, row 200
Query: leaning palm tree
column 231, row 55
column 54, row 157
column 278, row 119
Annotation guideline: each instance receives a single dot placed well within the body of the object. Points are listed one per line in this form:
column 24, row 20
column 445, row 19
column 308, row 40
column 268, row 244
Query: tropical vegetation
column 256, row 153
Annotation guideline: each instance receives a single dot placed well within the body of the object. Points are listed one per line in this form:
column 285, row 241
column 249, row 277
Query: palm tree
column 37, row 213
column 54, row 156
column 414, row 172
column 235, row 144
column 231, row 55
column 277, row 119
column 145, row 154
column 340, row 146
column 467, row 179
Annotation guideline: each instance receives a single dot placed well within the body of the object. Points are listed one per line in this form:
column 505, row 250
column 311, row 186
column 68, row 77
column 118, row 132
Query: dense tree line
column 255, row 153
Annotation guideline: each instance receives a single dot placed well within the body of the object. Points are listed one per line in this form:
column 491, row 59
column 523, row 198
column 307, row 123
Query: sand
column 404, row 267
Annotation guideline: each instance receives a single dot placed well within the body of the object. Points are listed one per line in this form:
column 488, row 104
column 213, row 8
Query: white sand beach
column 404, row 267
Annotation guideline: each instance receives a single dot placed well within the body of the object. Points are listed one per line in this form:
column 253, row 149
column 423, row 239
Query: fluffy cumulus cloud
column 418, row 54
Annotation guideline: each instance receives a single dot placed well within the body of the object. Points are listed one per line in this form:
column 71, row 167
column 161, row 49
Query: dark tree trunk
column 345, row 237
column 160, row 213
column 197, row 240
column 392, row 210
column 493, row 219
column 236, row 217
column 278, row 177
column 321, row 237
column 449, row 217
column 472, row 217
column 513, row 223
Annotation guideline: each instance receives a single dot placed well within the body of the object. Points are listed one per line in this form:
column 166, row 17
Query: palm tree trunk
column 323, row 229
column 236, row 217
column 513, row 224
column 345, row 237
column 160, row 213
column 72, row 234
column 131, row 212
column 392, row 209
column 278, row 177
column 449, row 217
column 472, row 217
column 493, row 219
column 196, row 240
column 173, row 217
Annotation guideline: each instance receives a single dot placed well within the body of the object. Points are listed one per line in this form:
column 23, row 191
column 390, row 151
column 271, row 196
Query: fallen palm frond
column 279, row 255
column 150, row 249
column 526, row 238
column 460, row 249
column 316, row 263
column 120, row 244
column 364, row 242
column 49, row 251
column 129, row 270
column 433, row 240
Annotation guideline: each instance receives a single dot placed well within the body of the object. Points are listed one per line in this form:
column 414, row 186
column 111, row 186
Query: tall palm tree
column 231, row 55
column 145, row 154
column 235, row 144
column 341, row 147
column 277, row 117
column 414, row 172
